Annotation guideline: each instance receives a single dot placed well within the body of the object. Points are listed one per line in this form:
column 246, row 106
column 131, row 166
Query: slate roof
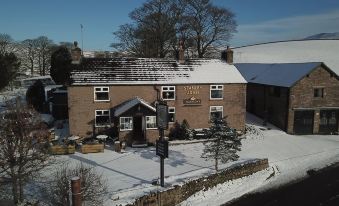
column 120, row 109
column 110, row 71
column 281, row 74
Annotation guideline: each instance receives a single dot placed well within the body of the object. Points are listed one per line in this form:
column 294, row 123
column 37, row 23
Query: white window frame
column 121, row 122
column 217, row 87
column 102, row 111
column 155, row 122
column 173, row 112
column 101, row 90
column 222, row 110
column 168, row 88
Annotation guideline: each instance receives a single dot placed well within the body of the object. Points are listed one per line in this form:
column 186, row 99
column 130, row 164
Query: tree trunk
column 15, row 190
column 21, row 190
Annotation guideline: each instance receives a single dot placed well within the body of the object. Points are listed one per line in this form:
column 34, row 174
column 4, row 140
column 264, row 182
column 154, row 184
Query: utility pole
column 82, row 39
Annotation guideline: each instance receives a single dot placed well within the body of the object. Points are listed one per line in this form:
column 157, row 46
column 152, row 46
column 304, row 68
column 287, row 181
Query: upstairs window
column 101, row 93
column 171, row 114
column 216, row 112
column 168, row 92
column 216, row 91
column 151, row 122
column 319, row 92
column 102, row 118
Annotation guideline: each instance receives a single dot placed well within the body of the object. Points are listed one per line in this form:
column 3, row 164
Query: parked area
column 130, row 173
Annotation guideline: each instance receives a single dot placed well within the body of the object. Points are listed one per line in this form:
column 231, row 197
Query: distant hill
column 324, row 36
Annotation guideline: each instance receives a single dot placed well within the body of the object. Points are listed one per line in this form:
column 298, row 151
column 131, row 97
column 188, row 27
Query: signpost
column 162, row 144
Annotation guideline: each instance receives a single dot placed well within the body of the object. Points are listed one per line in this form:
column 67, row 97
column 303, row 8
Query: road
column 321, row 188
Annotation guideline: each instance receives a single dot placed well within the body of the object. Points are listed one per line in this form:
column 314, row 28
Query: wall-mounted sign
column 192, row 90
column 192, row 101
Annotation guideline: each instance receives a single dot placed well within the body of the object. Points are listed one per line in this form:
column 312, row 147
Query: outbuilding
column 300, row 98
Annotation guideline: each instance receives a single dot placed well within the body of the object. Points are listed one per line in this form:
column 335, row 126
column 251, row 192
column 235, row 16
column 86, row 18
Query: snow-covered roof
column 291, row 52
column 282, row 74
column 143, row 71
column 119, row 110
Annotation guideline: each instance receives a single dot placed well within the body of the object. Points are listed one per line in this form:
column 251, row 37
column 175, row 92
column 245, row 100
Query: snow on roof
column 291, row 52
column 283, row 75
column 131, row 103
column 110, row 71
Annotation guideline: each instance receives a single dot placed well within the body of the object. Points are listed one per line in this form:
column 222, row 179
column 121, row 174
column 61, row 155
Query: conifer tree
column 224, row 143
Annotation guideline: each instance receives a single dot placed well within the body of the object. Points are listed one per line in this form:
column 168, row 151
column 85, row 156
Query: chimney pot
column 228, row 55
column 76, row 54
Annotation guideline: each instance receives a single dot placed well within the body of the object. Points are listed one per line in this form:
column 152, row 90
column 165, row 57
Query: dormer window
column 101, row 94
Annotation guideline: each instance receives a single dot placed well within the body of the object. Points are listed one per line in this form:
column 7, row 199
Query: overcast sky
column 258, row 20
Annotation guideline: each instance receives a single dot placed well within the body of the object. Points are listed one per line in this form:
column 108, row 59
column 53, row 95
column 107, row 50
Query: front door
column 138, row 131
column 328, row 121
column 303, row 122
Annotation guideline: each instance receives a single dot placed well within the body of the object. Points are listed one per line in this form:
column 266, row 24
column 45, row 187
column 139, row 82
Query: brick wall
column 302, row 95
column 82, row 105
column 178, row 194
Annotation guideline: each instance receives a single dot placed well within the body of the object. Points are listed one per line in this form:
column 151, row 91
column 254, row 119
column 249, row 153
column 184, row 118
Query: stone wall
column 178, row 194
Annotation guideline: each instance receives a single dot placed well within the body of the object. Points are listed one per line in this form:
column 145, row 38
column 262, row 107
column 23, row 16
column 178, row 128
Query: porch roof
column 120, row 109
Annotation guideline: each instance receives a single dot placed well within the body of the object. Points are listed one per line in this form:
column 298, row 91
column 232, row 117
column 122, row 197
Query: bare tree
column 224, row 143
column 45, row 48
column 29, row 54
column 23, row 147
column 209, row 25
column 6, row 43
column 93, row 186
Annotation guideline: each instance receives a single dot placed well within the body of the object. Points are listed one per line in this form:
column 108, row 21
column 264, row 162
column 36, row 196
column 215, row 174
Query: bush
column 181, row 131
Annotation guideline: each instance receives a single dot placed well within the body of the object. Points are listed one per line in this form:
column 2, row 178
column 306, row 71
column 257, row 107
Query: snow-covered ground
column 130, row 174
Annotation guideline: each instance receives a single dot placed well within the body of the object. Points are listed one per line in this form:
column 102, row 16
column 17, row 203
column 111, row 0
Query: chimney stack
column 76, row 54
column 227, row 55
column 181, row 57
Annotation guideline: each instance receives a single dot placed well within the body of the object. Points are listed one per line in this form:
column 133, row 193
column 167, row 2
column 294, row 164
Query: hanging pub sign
column 162, row 115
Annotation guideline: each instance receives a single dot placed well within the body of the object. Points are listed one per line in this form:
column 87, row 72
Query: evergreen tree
column 35, row 96
column 9, row 67
column 224, row 143
column 61, row 65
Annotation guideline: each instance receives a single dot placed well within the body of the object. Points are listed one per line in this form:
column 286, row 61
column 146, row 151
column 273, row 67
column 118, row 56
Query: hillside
column 291, row 52
column 324, row 36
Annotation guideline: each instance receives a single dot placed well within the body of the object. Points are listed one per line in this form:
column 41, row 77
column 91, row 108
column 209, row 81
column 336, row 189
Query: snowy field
column 130, row 174
column 291, row 52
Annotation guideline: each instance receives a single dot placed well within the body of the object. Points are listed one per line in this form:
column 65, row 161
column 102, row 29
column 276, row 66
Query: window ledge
column 102, row 100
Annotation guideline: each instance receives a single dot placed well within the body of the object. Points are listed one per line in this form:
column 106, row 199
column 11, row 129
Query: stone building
column 300, row 98
column 122, row 93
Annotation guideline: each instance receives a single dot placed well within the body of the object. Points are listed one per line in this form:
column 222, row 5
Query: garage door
column 328, row 121
column 303, row 122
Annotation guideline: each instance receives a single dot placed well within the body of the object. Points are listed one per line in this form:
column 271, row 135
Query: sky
column 258, row 20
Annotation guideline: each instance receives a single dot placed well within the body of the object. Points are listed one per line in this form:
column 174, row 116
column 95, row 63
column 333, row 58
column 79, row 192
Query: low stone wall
column 178, row 194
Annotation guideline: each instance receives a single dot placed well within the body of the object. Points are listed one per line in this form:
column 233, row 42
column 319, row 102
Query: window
column 168, row 92
column 216, row 112
column 216, row 91
column 101, row 93
column 171, row 114
column 319, row 92
column 274, row 91
column 126, row 123
column 102, row 118
column 151, row 122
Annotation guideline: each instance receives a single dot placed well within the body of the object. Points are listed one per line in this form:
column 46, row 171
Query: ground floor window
column 171, row 114
column 216, row 112
column 126, row 123
column 151, row 122
column 102, row 118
